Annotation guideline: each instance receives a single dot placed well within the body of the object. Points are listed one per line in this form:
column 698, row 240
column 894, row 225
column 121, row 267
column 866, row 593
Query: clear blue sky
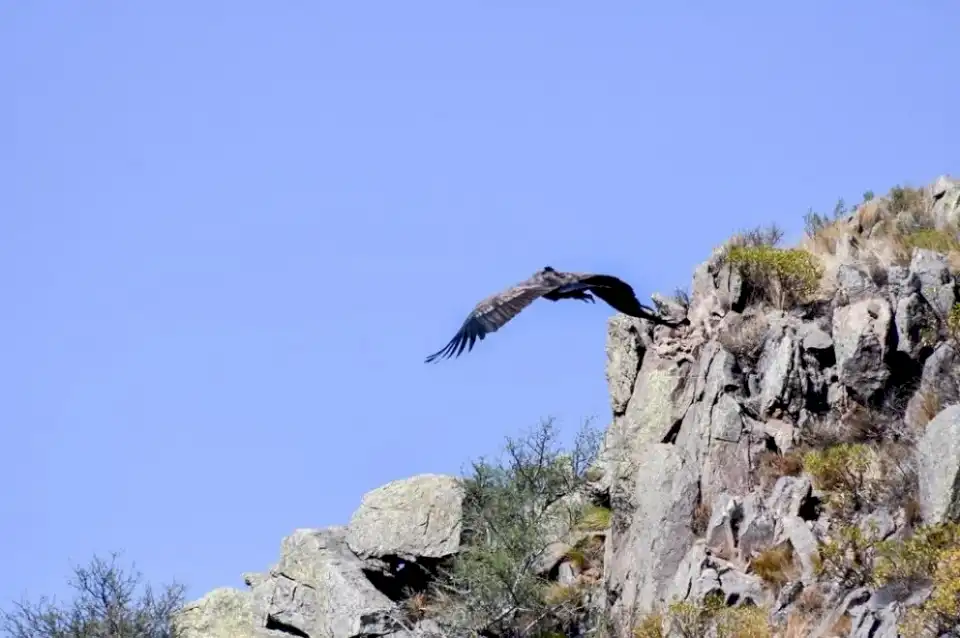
column 231, row 231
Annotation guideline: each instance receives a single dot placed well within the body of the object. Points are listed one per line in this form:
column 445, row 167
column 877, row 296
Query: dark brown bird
column 495, row 311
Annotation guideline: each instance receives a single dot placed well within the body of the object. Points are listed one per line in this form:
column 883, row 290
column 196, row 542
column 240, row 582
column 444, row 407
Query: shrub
column 744, row 622
column 867, row 195
column 930, row 555
column 904, row 199
column 515, row 507
column 744, row 339
column 694, row 620
column 847, row 556
column 106, row 604
column 784, row 276
column 757, row 237
column 915, row 559
column 842, row 471
column 814, row 223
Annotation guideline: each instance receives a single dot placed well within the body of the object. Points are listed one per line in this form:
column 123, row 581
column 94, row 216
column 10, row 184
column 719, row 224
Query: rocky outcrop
column 416, row 518
column 343, row 582
column 703, row 464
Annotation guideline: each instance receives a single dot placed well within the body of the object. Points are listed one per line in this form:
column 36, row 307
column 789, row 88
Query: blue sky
column 231, row 231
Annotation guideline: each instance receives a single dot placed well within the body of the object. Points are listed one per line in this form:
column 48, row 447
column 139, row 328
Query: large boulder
column 418, row 517
column 222, row 613
column 862, row 336
column 939, row 467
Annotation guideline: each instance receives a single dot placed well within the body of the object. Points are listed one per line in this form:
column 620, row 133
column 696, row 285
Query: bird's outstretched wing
column 619, row 295
column 493, row 313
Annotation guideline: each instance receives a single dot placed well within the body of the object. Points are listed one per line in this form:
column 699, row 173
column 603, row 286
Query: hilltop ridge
column 786, row 465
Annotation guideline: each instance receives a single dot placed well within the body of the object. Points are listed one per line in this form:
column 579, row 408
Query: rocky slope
column 792, row 455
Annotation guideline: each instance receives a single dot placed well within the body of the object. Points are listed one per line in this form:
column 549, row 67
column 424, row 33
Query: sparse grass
column 701, row 518
column 692, row 620
column 775, row 565
column 744, row 339
column 904, row 199
column 953, row 322
column 782, row 276
column 651, row 626
column 556, row 594
column 929, row 406
column 842, row 626
column 416, row 606
column 594, row 518
column 810, row 601
column 773, row 466
column 940, row 241
column 798, row 626
column 587, row 553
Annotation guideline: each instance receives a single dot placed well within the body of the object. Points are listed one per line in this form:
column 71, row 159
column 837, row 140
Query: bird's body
column 492, row 313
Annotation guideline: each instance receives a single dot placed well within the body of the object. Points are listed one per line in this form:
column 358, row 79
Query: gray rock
column 879, row 524
column 720, row 535
column 814, row 339
column 946, row 206
column 805, row 547
column 624, row 352
column 777, row 363
column 740, row 588
column 916, row 325
column 939, row 467
column 659, row 536
column 319, row 588
column 757, row 527
column 854, row 282
column 861, row 334
column 788, row 496
column 223, row 613
column 689, row 571
column 932, row 272
column 418, row 517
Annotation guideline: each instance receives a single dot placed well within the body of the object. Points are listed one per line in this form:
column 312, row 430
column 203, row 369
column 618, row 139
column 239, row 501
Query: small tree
column 106, row 605
column 515, row 507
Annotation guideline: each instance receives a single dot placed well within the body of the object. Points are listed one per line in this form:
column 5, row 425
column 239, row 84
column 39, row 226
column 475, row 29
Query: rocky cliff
column 786, row 465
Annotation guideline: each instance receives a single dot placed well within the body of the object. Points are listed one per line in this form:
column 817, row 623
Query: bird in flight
column 495, row 311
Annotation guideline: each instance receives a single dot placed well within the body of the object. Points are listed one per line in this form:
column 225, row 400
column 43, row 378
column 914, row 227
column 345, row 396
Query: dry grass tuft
column 775, row 565
column 744, row 339
column 701, row 518
column 772, row 466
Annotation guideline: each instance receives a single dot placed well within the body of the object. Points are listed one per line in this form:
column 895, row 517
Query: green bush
column 940, row 241
column 842, row 471
column 930, row 555
column 692, row 620
column 784, row 276
column 514, row 508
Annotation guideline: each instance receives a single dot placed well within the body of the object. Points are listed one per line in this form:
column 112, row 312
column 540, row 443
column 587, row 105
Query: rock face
column 706, row 464
column 418, row 517
column 322, row 585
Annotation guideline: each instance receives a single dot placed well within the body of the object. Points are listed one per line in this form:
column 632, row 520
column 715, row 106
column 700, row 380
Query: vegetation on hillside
column 109, row 602
column 519, row 508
